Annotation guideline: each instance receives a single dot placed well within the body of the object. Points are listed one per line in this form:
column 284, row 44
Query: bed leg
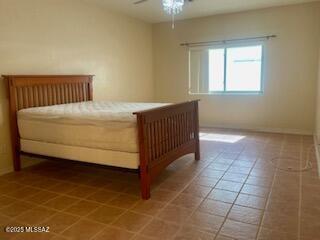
column 145, row 184
column 196, row 131
column 15, row 141
column 143, row 153
column 197, row 153
column 16, row 161
column 197, row 144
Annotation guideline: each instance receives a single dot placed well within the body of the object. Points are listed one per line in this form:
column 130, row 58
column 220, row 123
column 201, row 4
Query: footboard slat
column 165, row 134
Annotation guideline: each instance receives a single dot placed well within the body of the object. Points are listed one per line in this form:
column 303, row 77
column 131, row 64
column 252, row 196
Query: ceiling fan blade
column 140, row 1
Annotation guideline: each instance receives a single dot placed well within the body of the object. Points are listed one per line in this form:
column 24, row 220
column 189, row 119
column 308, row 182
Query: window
column 226, row 70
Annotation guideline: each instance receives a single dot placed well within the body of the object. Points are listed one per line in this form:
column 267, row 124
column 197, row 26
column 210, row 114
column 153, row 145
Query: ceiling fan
column 171, row 7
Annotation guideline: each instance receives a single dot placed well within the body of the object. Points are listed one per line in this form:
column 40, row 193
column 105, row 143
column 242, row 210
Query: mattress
column 83, row 154
column 94, row 124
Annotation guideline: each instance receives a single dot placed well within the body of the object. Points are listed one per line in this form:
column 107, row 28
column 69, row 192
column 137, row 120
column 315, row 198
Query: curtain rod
column 267, row 37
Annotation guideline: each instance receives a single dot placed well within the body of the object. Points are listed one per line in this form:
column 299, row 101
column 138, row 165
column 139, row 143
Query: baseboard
column 260, row 129
column 26, row 162
column 6, row 170
column 317, row 150
column 29, row 162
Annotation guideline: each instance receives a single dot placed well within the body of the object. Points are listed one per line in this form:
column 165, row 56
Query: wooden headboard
column 27, row 91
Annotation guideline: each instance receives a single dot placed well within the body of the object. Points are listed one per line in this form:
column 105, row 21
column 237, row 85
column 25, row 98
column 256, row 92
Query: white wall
column 73, row 37
column 288, row 102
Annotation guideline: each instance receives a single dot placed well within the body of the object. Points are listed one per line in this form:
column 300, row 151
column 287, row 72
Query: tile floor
column 234, row 192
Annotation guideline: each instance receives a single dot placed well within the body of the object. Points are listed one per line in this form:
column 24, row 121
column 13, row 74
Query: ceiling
column 151, row 11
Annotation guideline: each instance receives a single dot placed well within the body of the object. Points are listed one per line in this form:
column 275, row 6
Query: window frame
column 225, row 46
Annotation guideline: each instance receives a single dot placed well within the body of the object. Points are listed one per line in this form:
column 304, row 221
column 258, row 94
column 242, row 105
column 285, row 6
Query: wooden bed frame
column 165, row 133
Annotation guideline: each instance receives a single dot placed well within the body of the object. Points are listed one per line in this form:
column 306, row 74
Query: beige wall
column 74, row 37
column 317, row 130
column 71, row 37
column 288, row 101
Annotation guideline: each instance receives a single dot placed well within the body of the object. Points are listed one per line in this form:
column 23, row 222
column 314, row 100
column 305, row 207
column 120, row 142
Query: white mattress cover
column 90, row 155
column 89, row 113
column 102, row 125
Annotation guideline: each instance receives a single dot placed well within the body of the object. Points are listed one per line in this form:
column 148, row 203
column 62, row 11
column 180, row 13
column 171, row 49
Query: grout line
column 300, row 187
column 226, row 217
column 271, row 188
column 300, row 174
column 178, row 193
column 196, row 208
column 317, row 152
column 83, row 217
column 199, row 171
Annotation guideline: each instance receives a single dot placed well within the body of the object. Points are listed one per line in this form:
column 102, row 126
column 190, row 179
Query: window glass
column 226, row 69
column 243, row 70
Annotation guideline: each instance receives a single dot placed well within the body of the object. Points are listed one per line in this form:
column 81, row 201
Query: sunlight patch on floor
column 227, row 138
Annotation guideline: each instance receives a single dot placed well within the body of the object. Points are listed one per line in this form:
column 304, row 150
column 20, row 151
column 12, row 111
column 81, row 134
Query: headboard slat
column 34, row 91
column 27, row 91
column 62, row 94
column 35, row 96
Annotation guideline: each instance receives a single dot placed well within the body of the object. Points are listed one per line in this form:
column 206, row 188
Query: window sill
column 229, row 94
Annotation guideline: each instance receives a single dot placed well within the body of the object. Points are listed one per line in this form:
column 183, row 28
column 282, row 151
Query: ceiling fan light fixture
column 173, row 6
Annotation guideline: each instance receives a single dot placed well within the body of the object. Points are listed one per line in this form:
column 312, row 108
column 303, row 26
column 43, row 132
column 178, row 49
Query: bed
column 55, row 116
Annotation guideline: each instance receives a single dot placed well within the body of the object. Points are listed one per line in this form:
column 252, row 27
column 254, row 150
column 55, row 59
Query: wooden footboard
column 165, row 134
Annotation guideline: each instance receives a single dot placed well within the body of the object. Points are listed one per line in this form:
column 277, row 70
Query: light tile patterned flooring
column 234, row 192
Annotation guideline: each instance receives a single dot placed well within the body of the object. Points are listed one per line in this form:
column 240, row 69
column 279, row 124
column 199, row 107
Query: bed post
column 144, row 173
column 15, row 151
column 15, row 141
column 196, row 132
